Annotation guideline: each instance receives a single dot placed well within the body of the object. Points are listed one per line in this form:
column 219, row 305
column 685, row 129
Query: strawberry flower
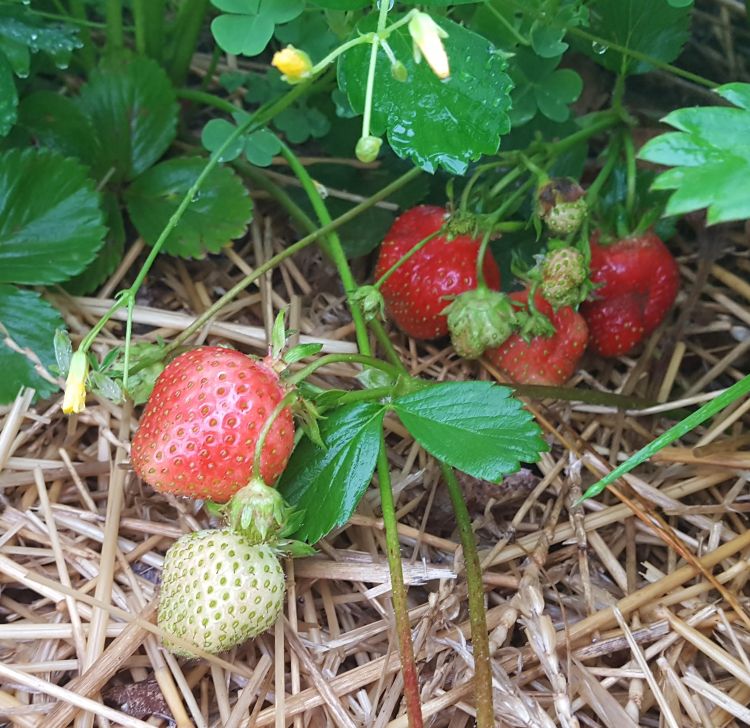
column 294, row 64
column 427, row 36
column 74, row 400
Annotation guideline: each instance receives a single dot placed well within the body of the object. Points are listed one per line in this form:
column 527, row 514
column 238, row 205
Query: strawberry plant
column 472, row 193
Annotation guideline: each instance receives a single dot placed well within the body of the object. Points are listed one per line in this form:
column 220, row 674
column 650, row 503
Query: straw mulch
column 597, row 614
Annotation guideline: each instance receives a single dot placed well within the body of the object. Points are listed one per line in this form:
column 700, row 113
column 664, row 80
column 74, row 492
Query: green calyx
column 259, row 513
column 370, row 300
column 479, row 320
column 565, row 277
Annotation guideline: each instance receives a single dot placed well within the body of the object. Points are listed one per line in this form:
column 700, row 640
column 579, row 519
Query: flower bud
column 74, row 400
column 367, row 148
column 428, row 42
column 294, row 64
column 370, row 300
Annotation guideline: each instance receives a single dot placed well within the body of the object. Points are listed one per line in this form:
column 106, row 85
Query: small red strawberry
column 549, row 359
column 638, row 281
column 218, row 590
column 417, row 293
column 198, row 432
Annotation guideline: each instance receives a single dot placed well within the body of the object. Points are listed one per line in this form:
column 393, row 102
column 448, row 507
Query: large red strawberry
column 198, row 432
column 417, row 293
column 638, row 281
column 550, row 359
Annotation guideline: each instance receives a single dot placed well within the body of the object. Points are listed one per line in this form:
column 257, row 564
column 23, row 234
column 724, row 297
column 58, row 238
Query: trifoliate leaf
column 51, row 224
column 219, row 212
column 541, row 86
column 27, row 331
column 214, row 135
column 427, row 119
column 477, row 427
column 133, row 107
column 247, row 25
column 327, row 483
column 710, row 156
column 655, row 28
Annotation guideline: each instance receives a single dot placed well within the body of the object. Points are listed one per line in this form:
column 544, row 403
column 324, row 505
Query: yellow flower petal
column 74, row 400
column 428, row 42
column 293, row 63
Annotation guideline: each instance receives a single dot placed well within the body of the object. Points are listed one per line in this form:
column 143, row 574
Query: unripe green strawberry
column 218, row 590
column 478, row 320
column 562, row 206
column 565, row 277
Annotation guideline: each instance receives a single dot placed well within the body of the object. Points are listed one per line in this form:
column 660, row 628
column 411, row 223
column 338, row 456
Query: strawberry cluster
column 198, row 437
column 535, row 336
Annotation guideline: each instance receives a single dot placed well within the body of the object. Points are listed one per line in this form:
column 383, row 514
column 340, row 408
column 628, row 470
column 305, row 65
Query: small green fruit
column 565, row 277
column 218, row 590
column 478, row 320
column 368, row 148
column 562, row 206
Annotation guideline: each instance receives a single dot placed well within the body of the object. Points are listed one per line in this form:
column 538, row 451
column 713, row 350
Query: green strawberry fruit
column 218, row 590
column 478, row 320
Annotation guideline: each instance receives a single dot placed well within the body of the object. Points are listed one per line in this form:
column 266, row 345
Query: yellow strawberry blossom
column 428, row 42
column 294, row 64
column 74, row 400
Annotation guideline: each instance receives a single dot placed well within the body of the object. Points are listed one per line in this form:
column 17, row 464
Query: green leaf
column 8, row 97
column 428, row 120
column 261, row 147
column 110, row 255
column 51, row 225
column 329, row 483
column 541, row 86
column 310, row 32
column 341, row 4
column 710, row 156
column 20, row 25
column 219, row 213
column 30, row 323
column 538, row 24
column 215, row 133
column 17, row 54
column 248, row 25
column 655, row 28
column 63, row 348
column 58, row 122
column 133, row 107
column 477, row 427
column 301, row 351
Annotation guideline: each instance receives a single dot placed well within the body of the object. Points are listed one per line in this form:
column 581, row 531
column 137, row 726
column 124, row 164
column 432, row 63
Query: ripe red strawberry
column 416, row 293
column 549, row 360
column 198, row 432
column 638, row 280
column 218, row 590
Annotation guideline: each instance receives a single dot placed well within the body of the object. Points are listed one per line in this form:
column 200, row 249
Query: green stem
column 286, row 400
column 643, row 57
column 477, row 616
column 508, row 26
column 363, row 395
column 592, row 193
column 708, row 410
column 364, row 359
column 115, row 35
column 86, row 52
column 232, row 293
column 149, row 27
column 185, row 36
column 398, row 589
column 370, row 87
column 332, row 245
column 606, row 120
column 387, row 345
column 630, row 171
